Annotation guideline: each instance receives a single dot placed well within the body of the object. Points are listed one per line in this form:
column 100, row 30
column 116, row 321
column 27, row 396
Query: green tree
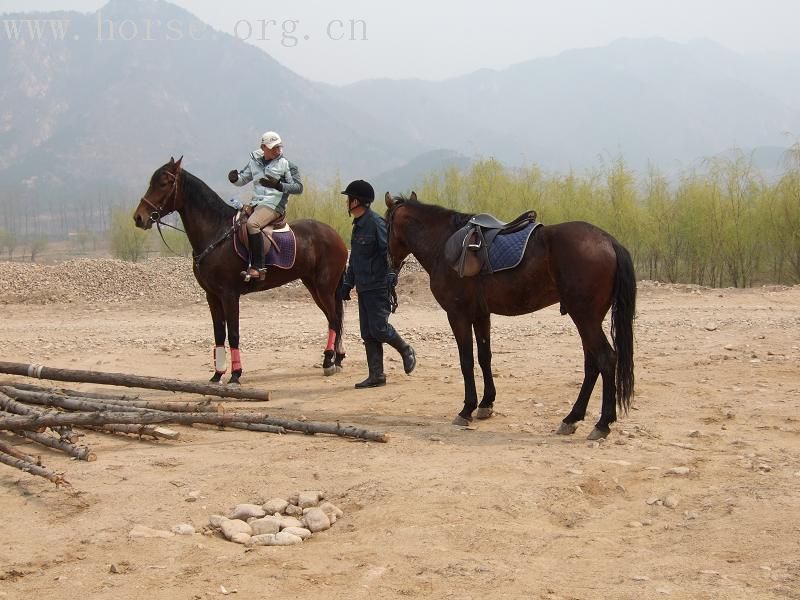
column 38, row 245
column 127, row 241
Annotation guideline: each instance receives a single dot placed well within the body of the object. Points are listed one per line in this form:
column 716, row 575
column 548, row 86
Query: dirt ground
column 505, row 509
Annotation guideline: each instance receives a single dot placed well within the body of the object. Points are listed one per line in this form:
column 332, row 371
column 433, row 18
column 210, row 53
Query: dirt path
column 507, row 510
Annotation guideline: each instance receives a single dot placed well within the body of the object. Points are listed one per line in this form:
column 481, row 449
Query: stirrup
column 253, row 273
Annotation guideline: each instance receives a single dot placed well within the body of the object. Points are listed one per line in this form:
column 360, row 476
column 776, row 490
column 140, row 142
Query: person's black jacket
column 369, row 263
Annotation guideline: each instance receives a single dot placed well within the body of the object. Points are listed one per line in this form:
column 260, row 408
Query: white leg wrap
column 220, row 365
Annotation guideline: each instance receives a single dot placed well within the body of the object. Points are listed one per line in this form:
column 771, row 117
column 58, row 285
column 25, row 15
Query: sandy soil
column 504, row 510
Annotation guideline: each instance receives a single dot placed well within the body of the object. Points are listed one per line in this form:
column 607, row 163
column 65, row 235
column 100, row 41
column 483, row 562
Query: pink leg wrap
column 236, row 360
column 331, row 339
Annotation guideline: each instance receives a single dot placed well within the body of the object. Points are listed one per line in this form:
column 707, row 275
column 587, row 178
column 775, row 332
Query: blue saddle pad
column 507, row 250
column 282, row 252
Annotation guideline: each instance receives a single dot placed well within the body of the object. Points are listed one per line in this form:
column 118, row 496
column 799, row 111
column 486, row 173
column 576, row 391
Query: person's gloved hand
column 271, row 182
column 344, row 292
column 391, row 280
column 233, row 176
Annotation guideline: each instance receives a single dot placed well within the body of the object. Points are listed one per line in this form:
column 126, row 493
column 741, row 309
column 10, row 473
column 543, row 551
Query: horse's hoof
column 216, row 378
column 597, row 434
column 328, row 371
column 339, row 368
column 461, row 421
column 485, row 413
column 566, row 428
column 234, row 380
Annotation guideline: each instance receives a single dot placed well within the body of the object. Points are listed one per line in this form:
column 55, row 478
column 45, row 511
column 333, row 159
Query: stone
column 309, row 498
column 316, row 520
column 216, row 521
column 293, row 510
column 275, row 505
column 183, row 529
column 265, row 526
column 671, row 501
column 300, row 532
column 290, row 522
column 679, row 471
column 247, row 511
column 331, row 510
column 233, row 526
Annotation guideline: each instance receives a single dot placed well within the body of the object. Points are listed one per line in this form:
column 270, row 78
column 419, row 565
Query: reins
column 155, row 216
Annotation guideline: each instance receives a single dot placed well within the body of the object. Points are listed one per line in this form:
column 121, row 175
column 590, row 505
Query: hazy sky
column 437, row 40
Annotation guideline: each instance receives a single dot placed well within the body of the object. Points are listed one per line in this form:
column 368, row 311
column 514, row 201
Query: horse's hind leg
column 599, row 359
column 578, row 412
column 325, row 297
column 482, row 327
column 607, row 362
column 218, row 321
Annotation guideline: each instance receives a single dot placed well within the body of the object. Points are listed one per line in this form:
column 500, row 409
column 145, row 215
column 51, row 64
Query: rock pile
column 99, row 280
column 277, row 522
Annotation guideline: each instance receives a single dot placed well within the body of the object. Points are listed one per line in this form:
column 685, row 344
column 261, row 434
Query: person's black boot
column 376, row 377
column 406, row 352
column 256, row 270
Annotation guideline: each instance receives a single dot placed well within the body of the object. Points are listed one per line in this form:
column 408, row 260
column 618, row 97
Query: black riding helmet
column 360, row 189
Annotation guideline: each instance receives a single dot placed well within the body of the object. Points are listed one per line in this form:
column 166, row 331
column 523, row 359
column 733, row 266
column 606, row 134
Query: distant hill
column 116, row 110
column 88, row 115
column 650, row 100
column 403, row 179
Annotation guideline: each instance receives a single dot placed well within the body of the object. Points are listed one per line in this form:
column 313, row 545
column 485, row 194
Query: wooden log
column 79, row 452
column 33, row 469
column 12, row 451
column 140, row 430
column 10, row 405
column 140, row 381
column 311, row 428
column 144, row 417
column 257, row 427
column 77, row 402
column 67, row 392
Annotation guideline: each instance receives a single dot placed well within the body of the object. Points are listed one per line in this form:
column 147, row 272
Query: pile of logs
column 29, row 411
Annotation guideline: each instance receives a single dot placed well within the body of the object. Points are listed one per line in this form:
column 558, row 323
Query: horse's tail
column 623, row 312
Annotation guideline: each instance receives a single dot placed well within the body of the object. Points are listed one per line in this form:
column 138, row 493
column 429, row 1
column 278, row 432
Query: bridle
column 389, row 218
column 162, row 211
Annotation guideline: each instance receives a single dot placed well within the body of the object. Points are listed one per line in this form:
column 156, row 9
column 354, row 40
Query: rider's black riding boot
column 256, row 255
column 375, row 363
column 406, row 352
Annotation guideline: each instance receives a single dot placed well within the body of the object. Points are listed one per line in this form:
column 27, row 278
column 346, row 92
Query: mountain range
column 81, row 111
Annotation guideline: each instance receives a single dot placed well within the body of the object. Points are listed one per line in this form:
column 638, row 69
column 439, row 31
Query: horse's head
column 397, row 223
column 162, row 197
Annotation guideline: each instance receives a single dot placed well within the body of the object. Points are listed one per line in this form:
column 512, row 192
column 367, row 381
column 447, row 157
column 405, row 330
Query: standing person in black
column 370, row 274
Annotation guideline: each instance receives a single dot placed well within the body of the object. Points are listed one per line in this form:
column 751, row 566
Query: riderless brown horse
column 321, row 256
column 575, row 264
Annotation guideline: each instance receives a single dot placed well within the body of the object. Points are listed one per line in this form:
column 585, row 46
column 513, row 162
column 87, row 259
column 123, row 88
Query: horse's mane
column 201, row 194
column 434, row 212
column 206, row 196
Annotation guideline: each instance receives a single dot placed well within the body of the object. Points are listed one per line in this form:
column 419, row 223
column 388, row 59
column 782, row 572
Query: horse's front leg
column 462, row 330
column 218, row 321
column 231, row 306
column 483, row 327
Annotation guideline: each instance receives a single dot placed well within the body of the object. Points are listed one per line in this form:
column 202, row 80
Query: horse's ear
column 178, row 163
column 171, row 160
column 389, row 201
column 413, row 196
